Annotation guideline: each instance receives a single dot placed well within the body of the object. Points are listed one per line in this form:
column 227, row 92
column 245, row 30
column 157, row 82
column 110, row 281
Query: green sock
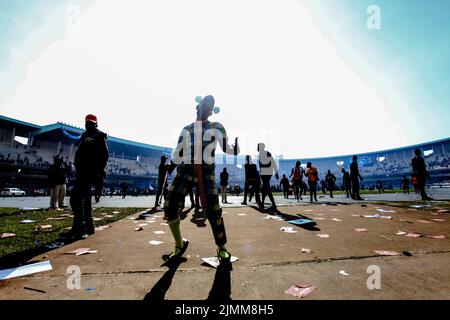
column 174, row 226
column 223, row 252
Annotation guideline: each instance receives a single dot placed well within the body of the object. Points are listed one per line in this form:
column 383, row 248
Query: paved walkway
column 270, row 261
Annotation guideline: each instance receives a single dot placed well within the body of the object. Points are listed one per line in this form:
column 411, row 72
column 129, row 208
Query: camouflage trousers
column 187, row 177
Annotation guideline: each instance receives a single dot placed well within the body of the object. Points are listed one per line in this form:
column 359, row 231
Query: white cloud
column 139, row 64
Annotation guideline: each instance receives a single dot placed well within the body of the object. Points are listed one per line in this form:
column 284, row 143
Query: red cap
column 91, row 118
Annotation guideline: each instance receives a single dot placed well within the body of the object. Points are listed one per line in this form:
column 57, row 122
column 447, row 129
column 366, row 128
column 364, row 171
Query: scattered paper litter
column 335, row 219
column 413, row 235
column 323, row 236
column 142, row 225
column 214, row 261
column 343, row 273
column 305, row 250
column 102, row 228
column 400, row 233
column 387, row 253
column 302, row 222
column 300, row 290
column 272, row 217
column 376, row 216
column 360, row 230
column 437, row 237
column 27, row 221
column 97, row 219
column 109, row 216
column 159, row 232
column 115, row 212
column 356, row 215
column 7, row 235
column 55, row 219
column 155, row 242
column 81, row 251
column 385, row 211
column 25, row 270
column 438, row 220
column 164, row 224
column 138, row 229
column 44, row 227
column 319, row 218
column 242, row 214
column 424, row 221
column 288, row 229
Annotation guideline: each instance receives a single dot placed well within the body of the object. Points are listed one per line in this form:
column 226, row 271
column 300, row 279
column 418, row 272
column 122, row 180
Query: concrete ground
column 270, row 261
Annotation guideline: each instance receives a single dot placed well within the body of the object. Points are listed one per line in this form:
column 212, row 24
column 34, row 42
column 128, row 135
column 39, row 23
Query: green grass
column 28, row 238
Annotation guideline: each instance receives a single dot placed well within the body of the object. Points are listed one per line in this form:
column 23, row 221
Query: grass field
column 29, row 237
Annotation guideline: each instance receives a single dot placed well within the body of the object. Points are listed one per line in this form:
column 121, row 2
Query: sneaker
column 171, row 257
column 223, row 255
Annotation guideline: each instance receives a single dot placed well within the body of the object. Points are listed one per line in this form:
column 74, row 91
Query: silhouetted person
column 330, row 179
column 380, row 187
column 163, row 169
column 346, row 182
column 355, row 178
column 284, row 183
column 90, row 162
column 224, row 184
column 297, row 180
column 420, row 171
column 252, row 181
column 195, row 159
column 57, row 178
column 323, row 186
column 313, row 177
column 112, row 189
column 124, row 190
column 405, row 185
column 267, row 167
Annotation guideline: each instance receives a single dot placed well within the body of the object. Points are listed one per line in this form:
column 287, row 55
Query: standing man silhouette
column 267, row 167
column 355, row 177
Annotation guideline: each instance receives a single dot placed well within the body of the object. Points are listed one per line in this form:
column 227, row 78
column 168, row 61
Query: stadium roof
column 68, row 134
column 381, row 152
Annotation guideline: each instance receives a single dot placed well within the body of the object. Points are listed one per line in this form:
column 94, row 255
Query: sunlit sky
column 307, row 77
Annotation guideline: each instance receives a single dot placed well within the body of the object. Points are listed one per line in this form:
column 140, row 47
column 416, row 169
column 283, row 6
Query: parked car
column 11, row 192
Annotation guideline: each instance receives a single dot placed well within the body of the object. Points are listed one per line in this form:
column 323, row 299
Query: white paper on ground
column 214, row 261
column 306, row 250
column 115, row 212
column 25, row 270
column 242, row 214
column 155, row 243
column 300, row 290
column 7, row 235
column 335, row 219
column 385, row 211
column 343, row 273
column 27, row 221
column 360, row 230
column 400, row 233
column 142, row 225
column 387, row 253
column 159, row 232
column 81, row 251
column 288, row 229
column 323, row 236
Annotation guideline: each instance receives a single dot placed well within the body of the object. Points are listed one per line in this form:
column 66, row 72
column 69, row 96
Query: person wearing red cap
column 90, row 162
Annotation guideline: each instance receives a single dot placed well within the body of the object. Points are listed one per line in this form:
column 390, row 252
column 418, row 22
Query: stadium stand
column 27, row 150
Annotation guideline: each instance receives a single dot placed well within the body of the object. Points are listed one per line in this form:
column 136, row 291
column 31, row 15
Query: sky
column 307, row 77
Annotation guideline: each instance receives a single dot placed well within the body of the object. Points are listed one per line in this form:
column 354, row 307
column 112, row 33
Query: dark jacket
column 251, row 172
column 354, row 171
column 57, row 175
column 91, row 155
column 419, row 168
column 224, row 178
column 346, row 178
